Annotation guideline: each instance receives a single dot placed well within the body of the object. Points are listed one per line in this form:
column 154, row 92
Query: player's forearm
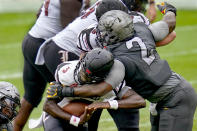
column 170, row 19
column 166, row 40
column 131, row 100
column 93, row 90
column 51, row 107
column 136, row 102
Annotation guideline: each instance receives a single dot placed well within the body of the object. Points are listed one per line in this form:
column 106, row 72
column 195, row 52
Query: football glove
column 54, row 91
column 164, row 7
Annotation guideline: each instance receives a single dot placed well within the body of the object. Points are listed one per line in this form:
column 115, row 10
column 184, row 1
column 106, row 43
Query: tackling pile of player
column 110, row 62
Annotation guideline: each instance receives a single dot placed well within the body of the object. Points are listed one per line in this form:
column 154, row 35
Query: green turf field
column 181, row 55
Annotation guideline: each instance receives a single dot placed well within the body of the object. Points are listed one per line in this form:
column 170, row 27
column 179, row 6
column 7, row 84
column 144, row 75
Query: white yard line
column 186, row 28
column 10, row 45
column 178, row 28
column 11, row 76
column 180, row 53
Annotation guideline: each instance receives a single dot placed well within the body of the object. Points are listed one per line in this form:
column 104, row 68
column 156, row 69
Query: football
column 75, row 108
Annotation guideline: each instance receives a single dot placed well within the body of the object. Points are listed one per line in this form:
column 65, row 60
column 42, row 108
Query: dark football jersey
column 145, row 71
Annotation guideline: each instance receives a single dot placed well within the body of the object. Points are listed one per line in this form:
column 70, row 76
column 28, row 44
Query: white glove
column 152, row 109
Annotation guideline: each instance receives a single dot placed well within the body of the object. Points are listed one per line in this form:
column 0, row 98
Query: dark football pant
column 35, row 77
column 177, row 111
column 52, row 56
column 53, row 124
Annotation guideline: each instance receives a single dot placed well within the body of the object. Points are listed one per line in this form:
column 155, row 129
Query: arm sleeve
column 116, row 74
column 159, row 30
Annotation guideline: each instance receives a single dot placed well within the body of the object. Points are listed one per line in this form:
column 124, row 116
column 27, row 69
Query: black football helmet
column 95, row 66
column 129, row 3
column 9, row 102
column 107, row 5
column 136, row 5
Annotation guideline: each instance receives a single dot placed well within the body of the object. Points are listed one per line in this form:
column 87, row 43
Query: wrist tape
column 74, row 121
column 113, row 104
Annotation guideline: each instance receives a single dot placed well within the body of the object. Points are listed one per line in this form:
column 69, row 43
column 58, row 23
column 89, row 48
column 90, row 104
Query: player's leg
column 94, row 120
column 126, row 119
column 177, row 112
column 54, row 55
column 34, row 82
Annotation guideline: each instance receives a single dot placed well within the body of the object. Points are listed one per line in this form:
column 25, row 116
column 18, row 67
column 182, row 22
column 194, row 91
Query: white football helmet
column 114, row 26
column 9, row 102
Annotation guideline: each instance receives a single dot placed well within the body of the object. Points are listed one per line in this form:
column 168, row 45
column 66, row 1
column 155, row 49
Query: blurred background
column 17, row 17
column 33, row 5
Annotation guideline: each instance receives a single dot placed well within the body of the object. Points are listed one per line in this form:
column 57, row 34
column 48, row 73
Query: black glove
column 54, row 91
column 164, row 7
column 57, row 92
column 68, row 92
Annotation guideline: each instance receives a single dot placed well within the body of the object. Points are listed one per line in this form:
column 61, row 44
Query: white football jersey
column 47, row 26
column 67, row 38
column 65, row 73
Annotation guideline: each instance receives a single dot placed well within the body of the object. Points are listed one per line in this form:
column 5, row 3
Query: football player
column 154, row 80
column 89, row 39
column 9, row 105
column 96, row 66
column 146, row 73
column 36, row 77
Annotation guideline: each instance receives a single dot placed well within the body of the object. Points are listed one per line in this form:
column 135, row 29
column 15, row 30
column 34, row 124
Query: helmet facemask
column 9, row 102
column 8, row 108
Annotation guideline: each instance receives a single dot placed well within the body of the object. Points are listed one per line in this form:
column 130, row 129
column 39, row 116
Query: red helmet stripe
column 88, row 71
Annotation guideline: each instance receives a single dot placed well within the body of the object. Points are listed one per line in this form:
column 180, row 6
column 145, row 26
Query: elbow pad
column 159, row 30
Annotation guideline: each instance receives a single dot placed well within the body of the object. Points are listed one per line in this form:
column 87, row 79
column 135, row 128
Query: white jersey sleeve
column 67, row 38
column 87, row 39
column 65, row 73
